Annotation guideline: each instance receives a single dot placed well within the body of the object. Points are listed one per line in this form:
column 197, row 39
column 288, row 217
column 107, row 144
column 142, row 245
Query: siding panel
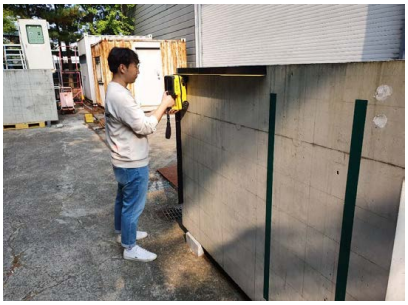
column 168, row 21
column 290, row 34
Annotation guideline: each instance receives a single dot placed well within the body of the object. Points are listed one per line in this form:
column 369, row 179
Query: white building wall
column 239, row 35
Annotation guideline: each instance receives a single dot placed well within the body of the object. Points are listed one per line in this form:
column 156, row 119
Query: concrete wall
column 225, row 141
column 28, row 96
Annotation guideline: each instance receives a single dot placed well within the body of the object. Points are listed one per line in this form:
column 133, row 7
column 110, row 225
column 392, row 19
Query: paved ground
column 58, row 240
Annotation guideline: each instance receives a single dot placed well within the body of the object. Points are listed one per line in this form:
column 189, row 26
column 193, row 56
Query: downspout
column 197, row 16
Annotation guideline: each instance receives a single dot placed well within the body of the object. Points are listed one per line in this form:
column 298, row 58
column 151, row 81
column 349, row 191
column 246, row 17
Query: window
column 82, row 59
column 35, row 34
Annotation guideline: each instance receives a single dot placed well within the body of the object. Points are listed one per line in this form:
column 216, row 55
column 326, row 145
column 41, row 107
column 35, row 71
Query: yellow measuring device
column 175, row 85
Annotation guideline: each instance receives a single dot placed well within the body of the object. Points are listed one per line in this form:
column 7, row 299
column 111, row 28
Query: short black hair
column 118, row 56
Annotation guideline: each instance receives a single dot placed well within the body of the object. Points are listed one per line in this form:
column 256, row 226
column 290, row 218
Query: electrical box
column 35, row 43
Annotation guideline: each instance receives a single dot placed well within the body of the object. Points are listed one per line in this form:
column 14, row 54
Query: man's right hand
column 167, row 100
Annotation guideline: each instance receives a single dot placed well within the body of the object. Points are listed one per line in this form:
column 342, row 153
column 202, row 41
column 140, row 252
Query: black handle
column 168, row 127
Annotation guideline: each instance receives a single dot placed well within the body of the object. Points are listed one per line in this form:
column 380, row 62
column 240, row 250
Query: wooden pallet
column 23, row 125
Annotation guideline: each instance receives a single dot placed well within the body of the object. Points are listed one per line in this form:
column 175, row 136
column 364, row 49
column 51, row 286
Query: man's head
column 124, row 62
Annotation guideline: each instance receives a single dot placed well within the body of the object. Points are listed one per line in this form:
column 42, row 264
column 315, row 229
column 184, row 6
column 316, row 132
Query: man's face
column 131, row 72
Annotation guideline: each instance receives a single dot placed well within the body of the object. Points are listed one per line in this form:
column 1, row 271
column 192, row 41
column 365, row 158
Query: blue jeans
column 130, row 201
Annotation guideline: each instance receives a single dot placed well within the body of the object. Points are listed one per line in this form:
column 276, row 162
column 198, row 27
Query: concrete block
column 293, row 233
column 206, row 201
column 187, row 145
column 192, row 226
column 205, row 127
column 279, row 257
column 28, row 96
column 277, row 289
column 329, row 173
column 263, row 112
column 220, row 97
column 239, row 199
column 243, row 105
column 366, row 281
column 234, row 137
column 211, row 227
column 284, row 156
column 299, row 206
column 333, row 218
column 216, row 130
column 261, row 181
column 362, row 80
column 235, row 224
column 262, row 139
column 295, row 272
column 373, row 237
column 260, row 228
column 205, row 178
column 283, row 195
column 191, row 190
column 316, row 287
column 322, row 254
column 213, row 247
column 325, row 214
column 246, row 281
column 281, row 290
column 302, row 159
column 191, row 210
column 196, row 127
column 211, row 156
column 244, row 173
column 392, row 75
column 194, row 245
column 380, row 195
column 259, row 280
column 186, row 123
column 381, row 142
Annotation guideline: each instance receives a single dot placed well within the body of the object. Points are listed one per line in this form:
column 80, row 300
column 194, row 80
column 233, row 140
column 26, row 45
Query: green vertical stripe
column 357, row 135
column 269, row 181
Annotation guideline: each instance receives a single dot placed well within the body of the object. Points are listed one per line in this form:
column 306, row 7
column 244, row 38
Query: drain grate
column 170, row 213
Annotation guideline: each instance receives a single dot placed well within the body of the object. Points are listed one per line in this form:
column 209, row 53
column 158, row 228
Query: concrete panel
column 322, row 254
column 28, row 96
column 366, row 281
column 317, row 287
column 227, row 126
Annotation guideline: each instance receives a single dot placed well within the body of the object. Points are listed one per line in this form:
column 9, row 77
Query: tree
column 108, row 19
column 69, row 21
column 8, row 21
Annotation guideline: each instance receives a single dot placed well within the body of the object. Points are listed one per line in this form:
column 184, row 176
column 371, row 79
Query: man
column 127, row 128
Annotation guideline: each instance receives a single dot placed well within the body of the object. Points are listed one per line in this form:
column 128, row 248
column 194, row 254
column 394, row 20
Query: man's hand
column 167, row 100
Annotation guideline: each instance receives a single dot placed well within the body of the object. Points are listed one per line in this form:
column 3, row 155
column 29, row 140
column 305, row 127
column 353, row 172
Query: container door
column 149, row 84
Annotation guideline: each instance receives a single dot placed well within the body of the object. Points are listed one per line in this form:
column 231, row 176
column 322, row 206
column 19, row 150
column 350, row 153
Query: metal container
column 157, row 59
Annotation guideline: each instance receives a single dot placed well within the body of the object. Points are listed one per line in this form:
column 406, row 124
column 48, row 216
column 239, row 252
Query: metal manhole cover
column 170, row 213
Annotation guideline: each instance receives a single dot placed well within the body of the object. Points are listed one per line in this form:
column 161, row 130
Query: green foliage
column 108, row 19
column 8, row 22
column 69, row 21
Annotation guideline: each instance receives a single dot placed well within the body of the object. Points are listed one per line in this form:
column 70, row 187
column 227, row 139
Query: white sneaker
column 139, row 235
column 139, row 254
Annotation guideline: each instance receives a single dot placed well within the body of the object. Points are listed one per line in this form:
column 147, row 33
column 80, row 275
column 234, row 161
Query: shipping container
column 157, row 59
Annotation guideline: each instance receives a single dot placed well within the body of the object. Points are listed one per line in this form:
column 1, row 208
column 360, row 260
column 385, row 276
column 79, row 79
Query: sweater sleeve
column 134, row 117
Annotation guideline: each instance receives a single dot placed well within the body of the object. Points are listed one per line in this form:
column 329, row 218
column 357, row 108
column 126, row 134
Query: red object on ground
column 170, row 174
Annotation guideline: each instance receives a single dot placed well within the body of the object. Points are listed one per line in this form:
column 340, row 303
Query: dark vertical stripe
column 179, row 158
column 269, row 184
column 357, row 135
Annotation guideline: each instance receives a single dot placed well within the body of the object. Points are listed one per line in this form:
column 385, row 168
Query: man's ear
column 122, row 68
